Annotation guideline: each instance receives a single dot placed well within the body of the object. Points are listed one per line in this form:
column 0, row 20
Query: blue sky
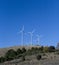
column 41, row 15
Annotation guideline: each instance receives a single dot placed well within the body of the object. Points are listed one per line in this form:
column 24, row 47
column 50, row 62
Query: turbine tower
column 22, row 35
column 38, row 39
column 31, row 37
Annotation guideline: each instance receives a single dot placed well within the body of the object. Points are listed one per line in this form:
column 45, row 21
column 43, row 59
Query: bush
column 41, row 49
column 29, row 52
column 34, row 49
column 23, row 58
column 18, row 56
column 51, row 49
column 39, row 57
column 45, row 49
column 19, row 51
column 2, row 59
column 23, row 50
column 10, row 55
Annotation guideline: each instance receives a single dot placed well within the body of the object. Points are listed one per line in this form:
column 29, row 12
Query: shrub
column 23, row 58
column 34, row 49
column 19, row 51
column 2, row 59
column 41, row 49
column 51, row 49
column 23, row 50
column 29, row 52
column 46, row 49
column 10, row 55
column 39, row 57
column 18, row 56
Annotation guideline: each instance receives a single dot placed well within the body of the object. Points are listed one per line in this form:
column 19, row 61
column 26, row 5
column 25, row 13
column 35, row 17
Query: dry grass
column 4, row 50
column 31, row 60
column 48, row 59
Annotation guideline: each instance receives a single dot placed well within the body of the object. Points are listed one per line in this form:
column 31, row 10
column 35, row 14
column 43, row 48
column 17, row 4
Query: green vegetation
column 19, row 51
column 2, row 59
column 12, row 54
column 51, row 49
column 23, row 58
column 23, row 50
column 39, row 57
column 46, row 49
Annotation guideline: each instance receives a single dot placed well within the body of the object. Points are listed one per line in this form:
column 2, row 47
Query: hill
column 4, row 50
column 47, row 58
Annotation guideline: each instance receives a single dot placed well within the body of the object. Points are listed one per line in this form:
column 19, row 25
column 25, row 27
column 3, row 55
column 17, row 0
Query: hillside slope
column 4, row 50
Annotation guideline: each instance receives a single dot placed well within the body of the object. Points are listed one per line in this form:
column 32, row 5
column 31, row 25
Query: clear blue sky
column 41, row 15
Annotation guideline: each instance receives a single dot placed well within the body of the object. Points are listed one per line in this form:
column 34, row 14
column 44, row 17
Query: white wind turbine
column 31, row 37
column 38, row 39
column 22, row 35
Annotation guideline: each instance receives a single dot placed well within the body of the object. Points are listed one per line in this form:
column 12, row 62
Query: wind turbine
column 22, row 35
column 38, row 39
column 31, row 37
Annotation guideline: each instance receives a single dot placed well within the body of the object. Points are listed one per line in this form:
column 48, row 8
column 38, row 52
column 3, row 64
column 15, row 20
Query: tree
column 23, row 50
column 51, row 49
column 2, row 59
column 19, row 51
column 41, row 49
column 10, row 55
column 39, row 57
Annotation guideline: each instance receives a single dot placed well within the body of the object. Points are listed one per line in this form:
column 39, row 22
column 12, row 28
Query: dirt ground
column 49, row 59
